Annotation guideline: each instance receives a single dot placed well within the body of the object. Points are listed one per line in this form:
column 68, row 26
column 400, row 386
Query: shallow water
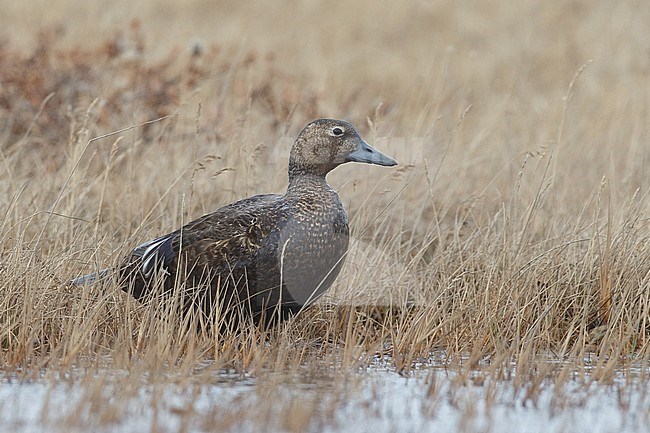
column 375, row 400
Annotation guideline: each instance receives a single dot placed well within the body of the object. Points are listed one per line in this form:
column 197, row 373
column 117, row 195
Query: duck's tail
column 90, row 279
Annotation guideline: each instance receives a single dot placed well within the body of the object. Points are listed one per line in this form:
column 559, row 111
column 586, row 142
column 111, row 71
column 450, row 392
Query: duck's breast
column 312, row 248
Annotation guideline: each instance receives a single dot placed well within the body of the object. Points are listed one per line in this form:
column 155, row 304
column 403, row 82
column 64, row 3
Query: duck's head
column 326, row 143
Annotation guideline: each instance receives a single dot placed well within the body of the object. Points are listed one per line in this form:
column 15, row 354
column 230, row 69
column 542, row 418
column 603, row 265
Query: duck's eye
column 337, row 131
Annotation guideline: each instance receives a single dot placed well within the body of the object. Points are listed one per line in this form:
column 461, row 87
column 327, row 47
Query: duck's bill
column 369, row 155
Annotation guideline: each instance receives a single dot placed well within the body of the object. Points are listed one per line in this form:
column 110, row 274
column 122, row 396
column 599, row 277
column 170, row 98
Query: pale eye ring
column 337, row 131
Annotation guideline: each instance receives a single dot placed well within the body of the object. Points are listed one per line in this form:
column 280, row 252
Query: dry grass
column 517, row 225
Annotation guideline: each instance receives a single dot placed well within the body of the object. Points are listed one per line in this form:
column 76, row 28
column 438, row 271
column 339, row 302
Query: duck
column 263, row 258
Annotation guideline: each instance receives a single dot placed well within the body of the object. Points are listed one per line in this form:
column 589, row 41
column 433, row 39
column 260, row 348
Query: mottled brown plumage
column 264, row 256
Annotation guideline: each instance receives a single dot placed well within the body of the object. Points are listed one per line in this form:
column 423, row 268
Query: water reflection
column 437, row 396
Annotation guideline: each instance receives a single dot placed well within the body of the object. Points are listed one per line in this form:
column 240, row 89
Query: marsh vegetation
column 510, row 248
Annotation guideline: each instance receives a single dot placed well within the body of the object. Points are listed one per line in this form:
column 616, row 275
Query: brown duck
column 264, row 257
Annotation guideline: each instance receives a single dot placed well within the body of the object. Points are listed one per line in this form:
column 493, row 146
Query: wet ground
column 436, row 399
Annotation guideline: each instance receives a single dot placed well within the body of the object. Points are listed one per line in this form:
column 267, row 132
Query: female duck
column 264, row 257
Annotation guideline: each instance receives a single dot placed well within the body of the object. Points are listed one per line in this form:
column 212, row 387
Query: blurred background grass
column 420, row 64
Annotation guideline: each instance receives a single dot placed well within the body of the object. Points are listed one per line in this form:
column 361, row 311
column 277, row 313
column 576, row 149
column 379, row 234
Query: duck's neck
column 311, row 197
column 299, row 184
column 299, row 167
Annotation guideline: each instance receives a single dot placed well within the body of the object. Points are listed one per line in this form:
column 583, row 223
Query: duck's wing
column 156, row 253
column 218, row 242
